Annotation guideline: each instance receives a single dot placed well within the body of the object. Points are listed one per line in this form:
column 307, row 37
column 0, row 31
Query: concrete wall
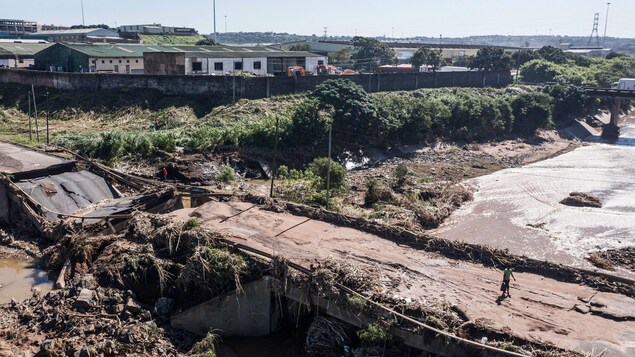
column 248, row 314
column 228, row 65
column 251, row 88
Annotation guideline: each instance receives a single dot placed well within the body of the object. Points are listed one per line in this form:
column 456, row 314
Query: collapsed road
column 45, row 189
column 544, row 310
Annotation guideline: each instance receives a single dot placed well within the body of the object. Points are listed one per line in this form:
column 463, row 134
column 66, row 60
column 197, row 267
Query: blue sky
column 368, row 17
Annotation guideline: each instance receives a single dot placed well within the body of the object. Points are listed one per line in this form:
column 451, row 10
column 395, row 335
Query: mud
column 541, row 310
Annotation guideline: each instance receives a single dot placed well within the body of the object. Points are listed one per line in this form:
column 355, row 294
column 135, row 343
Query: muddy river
column 19, row 278
column 519, row 209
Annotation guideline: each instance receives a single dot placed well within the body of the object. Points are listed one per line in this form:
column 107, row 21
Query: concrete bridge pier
column 612, row 130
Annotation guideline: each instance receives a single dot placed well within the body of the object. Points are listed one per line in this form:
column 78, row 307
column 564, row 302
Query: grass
column 170, row 39
column 374, row 334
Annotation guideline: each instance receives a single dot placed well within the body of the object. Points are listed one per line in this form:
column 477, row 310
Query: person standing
column 507, row 275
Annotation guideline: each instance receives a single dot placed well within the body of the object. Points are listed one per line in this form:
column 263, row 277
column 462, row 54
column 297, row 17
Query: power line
column 596, row 23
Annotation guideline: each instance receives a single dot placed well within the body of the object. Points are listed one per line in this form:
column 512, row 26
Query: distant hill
column 169, row 39
column 625, row 45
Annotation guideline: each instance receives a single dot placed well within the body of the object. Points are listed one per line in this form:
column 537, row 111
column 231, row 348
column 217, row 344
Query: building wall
column 313, row 62
column 61, row 59
column 20, row 63
column 209, row 65
column 117, row 65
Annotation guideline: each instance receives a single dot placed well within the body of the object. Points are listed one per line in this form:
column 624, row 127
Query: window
column 127, row 61
column 110, row 61
column 197, row 66
column 218, row 66
column 102, row 61
column 238, row 66
column 119, row 61
column 257, row 65
column 136, row 61
column 94, row 61
column 320, row 62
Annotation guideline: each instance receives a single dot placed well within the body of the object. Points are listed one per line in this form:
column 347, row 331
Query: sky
column 449, row 18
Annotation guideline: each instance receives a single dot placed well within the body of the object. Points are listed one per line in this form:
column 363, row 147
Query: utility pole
column 596, row 23
column 274, row 170
column 606, row 23
column 83, row 22
column 37, row 126
column 225, row 23
column 326, row 32
column 214, row 5
column 328, row 170
column 30, row 122
column 47, row 117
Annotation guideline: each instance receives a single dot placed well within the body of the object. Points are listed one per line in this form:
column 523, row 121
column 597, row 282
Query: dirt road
column 540, row 309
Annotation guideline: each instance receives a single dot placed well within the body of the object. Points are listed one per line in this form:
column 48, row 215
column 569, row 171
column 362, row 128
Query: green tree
column 521, row 57
column 539, row 71
column 491, row 59
column 552, row 54
column 300, row 47
column 370, row 52
column 424, row 55
column 353, row 109
column 319, row 167
column 342, row 56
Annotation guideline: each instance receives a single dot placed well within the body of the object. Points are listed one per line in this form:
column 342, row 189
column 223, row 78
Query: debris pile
column 580, row 199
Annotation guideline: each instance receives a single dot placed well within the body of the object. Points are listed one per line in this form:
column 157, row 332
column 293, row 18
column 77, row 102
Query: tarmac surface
column 16, row 159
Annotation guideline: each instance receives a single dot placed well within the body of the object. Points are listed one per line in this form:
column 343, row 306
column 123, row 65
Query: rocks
column 579, row 199
column 47, row 346
column 133, row 307
column 85, row 300
column 583, row 309
column 164, row 306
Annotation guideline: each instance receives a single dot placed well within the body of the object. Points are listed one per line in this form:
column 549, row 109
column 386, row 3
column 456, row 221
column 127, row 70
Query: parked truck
column 625, row 83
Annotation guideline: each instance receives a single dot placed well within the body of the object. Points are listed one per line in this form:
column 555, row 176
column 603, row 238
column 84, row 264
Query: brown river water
column 18, row 279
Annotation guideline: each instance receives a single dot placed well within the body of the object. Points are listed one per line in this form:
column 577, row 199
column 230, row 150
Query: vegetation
column 374, row 334
column 227, row 174
column 170, row 39
column 424, row 55
column 300, row 47
column 371, row 53
column 552, row 65
column 320, row 166
column 491, row 59
column 207, row 42
column 341, row 57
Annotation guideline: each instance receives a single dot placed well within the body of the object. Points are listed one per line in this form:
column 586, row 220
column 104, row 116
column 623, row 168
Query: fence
column 249, row 87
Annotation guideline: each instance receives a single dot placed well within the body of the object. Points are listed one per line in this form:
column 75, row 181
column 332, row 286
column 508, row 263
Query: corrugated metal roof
column 136, row 50
column 24, row 49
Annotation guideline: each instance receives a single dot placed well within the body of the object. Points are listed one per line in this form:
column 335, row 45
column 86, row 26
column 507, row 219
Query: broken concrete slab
column 85, row 300
column 23, row 163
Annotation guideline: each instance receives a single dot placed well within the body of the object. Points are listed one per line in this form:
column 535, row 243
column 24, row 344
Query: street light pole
column 47, row 117
column 225, row 23
column 606, row 22
column 214, row 5
column 328, row 170
column 83, row 22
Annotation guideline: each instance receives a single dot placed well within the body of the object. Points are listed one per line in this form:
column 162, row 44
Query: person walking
column 164, row 173
column 507, row 275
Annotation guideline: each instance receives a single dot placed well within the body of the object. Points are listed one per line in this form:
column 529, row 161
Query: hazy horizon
column 452, row 18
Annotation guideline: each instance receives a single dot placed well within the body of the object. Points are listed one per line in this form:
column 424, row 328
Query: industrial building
column 17, row 27
column 81, row 35
column 173, row 60
column 86, row 57
column 131, row 31
column 19, row 55
column 218, row 60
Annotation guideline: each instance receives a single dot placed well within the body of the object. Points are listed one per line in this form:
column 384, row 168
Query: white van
column 625, row 83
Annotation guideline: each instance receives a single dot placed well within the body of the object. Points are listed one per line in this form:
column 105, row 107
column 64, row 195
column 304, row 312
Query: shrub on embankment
column 358, row 119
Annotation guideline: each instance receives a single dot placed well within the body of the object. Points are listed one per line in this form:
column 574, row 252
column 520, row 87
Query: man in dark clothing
column 507, row 275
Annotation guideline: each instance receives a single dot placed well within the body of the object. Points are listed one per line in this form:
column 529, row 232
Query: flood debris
column 612, row 258
column 580, row 199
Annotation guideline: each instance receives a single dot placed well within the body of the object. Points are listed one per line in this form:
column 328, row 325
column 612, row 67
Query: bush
column 372, row 195
column 319, row 168
column 531, row 112
column 374, row 334
column 309, row 124
column 227, row 174
column 401, row 173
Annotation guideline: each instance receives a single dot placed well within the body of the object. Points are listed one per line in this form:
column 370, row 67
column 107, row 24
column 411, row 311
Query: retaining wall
column 251, row 88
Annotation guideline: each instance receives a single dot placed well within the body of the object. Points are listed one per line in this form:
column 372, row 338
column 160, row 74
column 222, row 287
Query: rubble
column 580, row 199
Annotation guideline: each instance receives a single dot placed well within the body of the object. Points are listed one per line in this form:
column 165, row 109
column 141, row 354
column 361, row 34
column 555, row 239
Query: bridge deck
column 610, row 93
column 542, row 309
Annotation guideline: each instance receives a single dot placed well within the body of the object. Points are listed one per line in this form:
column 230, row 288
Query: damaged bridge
column 45, row 189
